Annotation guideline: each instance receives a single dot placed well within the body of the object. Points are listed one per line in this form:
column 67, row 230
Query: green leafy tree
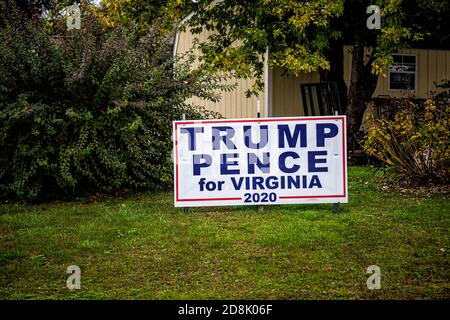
column 143, row 13
column 89, row 110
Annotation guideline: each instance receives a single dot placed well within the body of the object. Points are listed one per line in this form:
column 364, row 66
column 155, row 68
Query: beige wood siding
column 432, row 66
column 287, row 99
column 233, row 104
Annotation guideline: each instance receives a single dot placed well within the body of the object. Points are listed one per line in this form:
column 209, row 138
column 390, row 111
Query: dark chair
column 320, row 99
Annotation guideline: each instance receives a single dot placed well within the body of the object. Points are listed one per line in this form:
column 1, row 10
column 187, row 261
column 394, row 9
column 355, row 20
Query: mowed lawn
column 144, row 248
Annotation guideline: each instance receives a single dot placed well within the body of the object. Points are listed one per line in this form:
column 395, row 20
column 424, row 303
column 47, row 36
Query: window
column 402, row 74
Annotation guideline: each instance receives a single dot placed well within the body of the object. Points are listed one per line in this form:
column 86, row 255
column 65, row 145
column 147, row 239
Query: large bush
column 414, row 143
column 90, row 110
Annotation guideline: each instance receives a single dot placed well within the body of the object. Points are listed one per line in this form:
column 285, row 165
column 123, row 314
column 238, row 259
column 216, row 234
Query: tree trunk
column 362, row 85
column 336, row 72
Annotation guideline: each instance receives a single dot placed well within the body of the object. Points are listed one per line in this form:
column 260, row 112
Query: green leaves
column 297, row 33
column 300, row 34
column 103, row 122
column 416, row 142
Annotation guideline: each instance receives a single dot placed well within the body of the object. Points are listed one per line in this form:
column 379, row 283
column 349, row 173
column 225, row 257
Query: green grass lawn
column 144, row 248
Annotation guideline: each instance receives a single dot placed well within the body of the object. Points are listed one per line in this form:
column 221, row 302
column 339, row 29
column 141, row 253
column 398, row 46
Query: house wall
column 233, row 104
column 285, row 97
column 432, row 65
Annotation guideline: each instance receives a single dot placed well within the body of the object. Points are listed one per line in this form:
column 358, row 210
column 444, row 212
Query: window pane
column 402, row 81
column 408, row 68
column 409, row 59
column 402, row 72
column 397, row 58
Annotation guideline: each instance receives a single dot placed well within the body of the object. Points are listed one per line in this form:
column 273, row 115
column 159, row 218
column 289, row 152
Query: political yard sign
column 260, row 161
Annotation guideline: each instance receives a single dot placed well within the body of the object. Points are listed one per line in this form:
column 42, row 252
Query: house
column 415, row 71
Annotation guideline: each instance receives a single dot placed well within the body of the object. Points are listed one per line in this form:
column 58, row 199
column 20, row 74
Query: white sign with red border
column 260, row 161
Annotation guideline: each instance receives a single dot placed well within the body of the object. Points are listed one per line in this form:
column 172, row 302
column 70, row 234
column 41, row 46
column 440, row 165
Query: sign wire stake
column 336, row 207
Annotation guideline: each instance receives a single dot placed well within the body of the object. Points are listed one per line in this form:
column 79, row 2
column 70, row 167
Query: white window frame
column 409, row 72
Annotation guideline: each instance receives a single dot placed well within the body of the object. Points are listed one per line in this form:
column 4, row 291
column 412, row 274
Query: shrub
column 415, row 142
column 90, row 111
